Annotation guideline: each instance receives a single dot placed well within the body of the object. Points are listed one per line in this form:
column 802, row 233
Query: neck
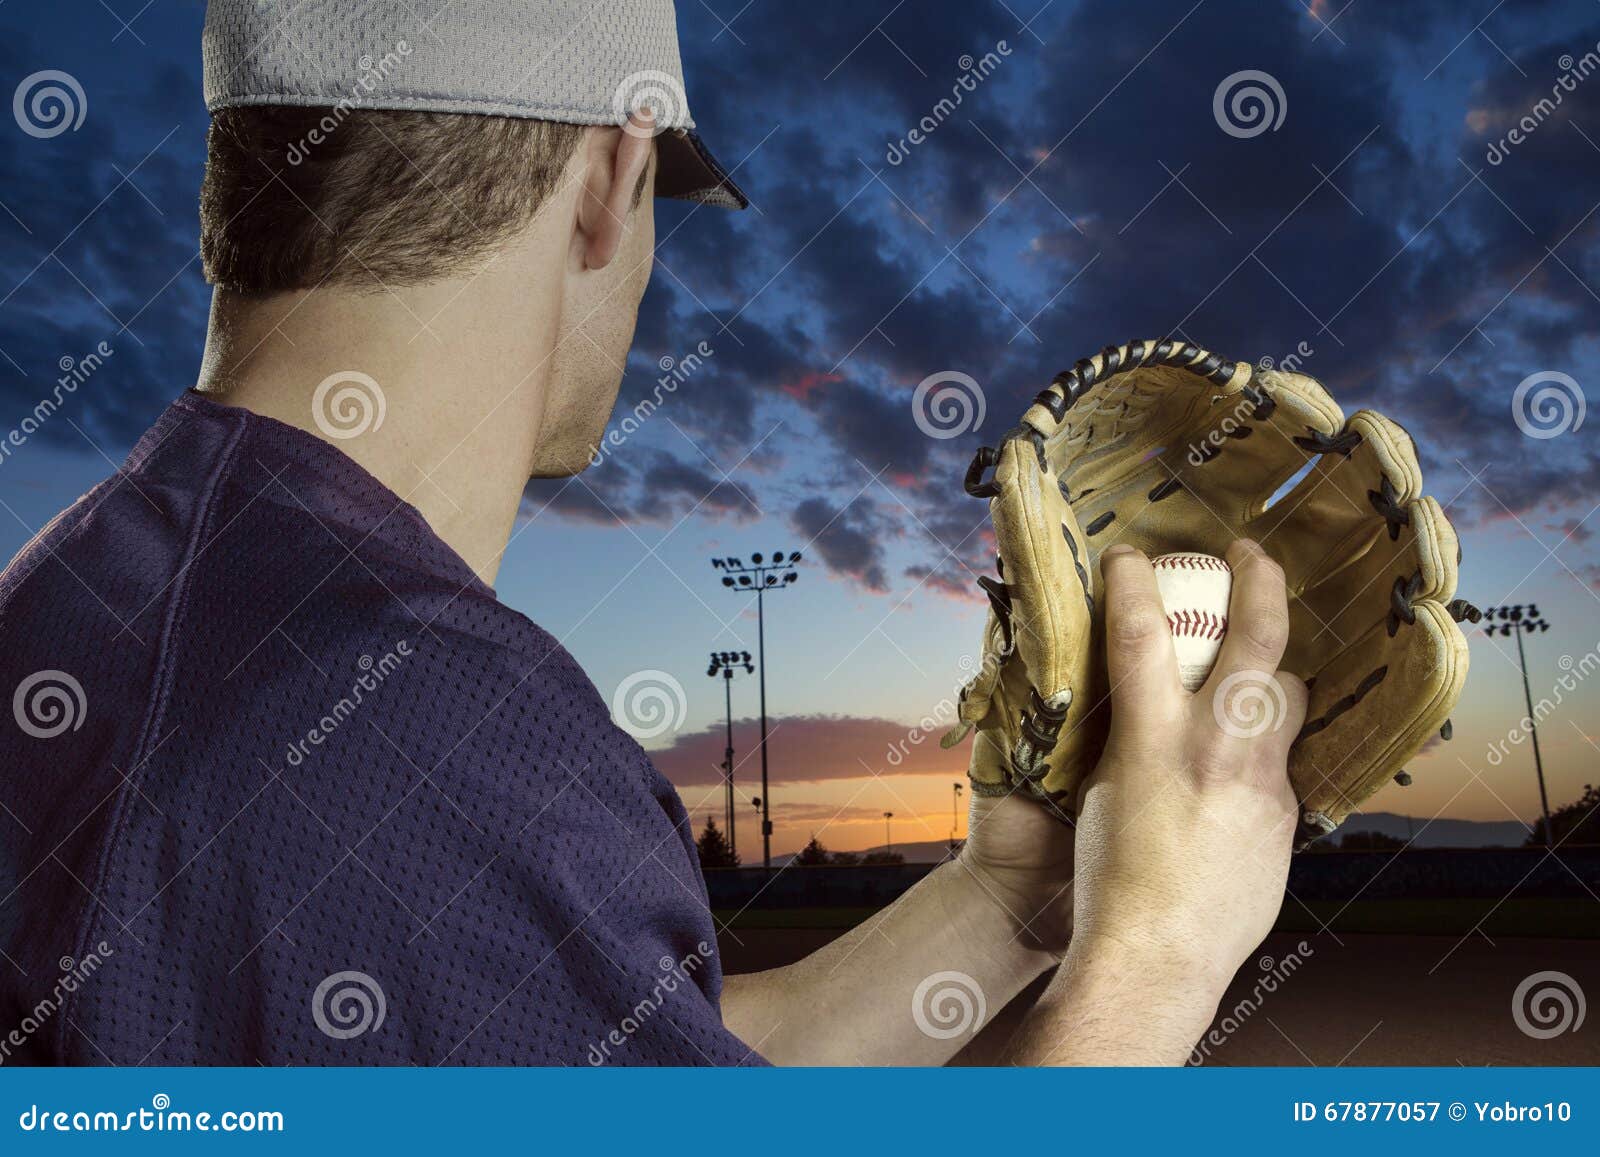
column 460, row 366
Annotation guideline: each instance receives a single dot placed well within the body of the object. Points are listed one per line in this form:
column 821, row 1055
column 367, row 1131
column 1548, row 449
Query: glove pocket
column 1252, row 441
column 1357, row 491
column 1372, row 580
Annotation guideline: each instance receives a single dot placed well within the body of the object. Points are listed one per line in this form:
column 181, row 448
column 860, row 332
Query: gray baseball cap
column 586, row 62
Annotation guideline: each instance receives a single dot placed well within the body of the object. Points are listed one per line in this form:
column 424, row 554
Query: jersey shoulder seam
column 161, row 684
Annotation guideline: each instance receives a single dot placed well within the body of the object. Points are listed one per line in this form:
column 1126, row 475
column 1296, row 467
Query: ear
column 615, row 160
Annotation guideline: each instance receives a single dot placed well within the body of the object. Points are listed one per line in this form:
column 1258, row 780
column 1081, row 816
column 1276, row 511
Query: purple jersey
column 283, row 782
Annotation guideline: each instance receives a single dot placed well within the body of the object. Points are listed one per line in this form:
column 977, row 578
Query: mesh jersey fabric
column 317, row 796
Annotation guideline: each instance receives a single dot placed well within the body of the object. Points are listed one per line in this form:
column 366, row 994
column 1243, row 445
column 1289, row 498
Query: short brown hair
column 299, row 197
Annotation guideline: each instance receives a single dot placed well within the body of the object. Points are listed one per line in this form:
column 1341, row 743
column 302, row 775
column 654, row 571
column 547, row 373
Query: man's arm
column 1182, row 850
column 910, row 986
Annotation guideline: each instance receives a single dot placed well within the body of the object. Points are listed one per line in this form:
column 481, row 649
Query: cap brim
column 685, row 169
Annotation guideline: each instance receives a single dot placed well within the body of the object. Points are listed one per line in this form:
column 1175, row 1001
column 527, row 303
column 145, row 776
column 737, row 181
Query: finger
column 1139, row 655
column 1265, row 709
column 1258, row 619
column 1285, row 714
column 1295, row 697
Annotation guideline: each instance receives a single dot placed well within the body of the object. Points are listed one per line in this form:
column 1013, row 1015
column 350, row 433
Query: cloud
column 849, row 538
column 671, row 485
column 1350, row 229
column 640, row 486
column 1083, row 194
column 811, row 749
column 98, row 244
column 826, row 815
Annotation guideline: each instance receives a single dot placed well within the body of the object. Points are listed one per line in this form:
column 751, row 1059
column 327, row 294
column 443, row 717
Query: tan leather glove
column 1167, row 447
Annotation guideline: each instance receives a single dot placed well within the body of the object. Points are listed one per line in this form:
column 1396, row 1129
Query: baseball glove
column 1168, row 447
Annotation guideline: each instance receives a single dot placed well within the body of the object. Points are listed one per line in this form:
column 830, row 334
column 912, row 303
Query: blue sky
column 1083, row 192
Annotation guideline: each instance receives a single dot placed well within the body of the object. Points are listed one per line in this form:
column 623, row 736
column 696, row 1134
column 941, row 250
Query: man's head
column 360, row 154
column 383, row 198
column 391, row 199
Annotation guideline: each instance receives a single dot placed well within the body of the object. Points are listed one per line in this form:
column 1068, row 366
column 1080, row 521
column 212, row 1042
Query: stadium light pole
column 725, row 663
column 888, row 840
column 761, row 575
column 955, row 811
column 1518, row 619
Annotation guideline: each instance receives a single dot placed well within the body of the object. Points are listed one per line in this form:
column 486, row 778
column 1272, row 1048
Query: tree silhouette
column 1370, row 842
column 812, row 854
column 1574, row 824
column 713, row 848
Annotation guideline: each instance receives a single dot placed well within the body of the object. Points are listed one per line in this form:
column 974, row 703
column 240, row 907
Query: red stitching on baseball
column 1197, row 624
column 1190, row 562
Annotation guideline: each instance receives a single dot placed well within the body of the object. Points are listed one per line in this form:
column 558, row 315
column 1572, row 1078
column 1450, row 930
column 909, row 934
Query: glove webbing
column 1070, row 385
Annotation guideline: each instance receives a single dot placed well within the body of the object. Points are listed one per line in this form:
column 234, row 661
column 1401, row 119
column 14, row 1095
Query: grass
column 1573, row 919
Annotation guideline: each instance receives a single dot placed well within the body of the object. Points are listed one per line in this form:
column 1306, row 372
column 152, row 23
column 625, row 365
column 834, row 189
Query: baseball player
column 309, row 793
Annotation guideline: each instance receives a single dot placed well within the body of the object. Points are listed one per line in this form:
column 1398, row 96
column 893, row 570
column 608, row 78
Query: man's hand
column 1185, row 827
column 962, row 943
column 1021, row 857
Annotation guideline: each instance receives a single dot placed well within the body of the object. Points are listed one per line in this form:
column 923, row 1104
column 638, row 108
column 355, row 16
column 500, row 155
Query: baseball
column 1194, row 589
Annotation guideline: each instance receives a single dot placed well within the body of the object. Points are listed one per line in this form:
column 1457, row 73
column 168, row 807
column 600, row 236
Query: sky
column 1079, row 177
